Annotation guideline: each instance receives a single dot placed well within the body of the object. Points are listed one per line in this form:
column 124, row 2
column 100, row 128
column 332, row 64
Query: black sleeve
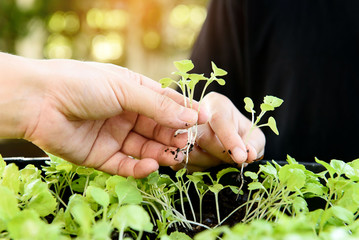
column 221, row 41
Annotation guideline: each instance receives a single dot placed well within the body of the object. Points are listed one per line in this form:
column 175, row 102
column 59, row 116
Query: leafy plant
column 187, row 84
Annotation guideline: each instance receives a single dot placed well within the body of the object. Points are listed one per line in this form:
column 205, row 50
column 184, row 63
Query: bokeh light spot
column 107, row 47
column 151, row 39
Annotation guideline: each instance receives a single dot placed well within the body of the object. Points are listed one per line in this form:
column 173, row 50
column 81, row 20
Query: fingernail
column 188, row 116
column 239, row 155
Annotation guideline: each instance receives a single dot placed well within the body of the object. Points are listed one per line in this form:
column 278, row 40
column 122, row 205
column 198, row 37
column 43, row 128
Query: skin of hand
column 223, row 139
column 93, row 114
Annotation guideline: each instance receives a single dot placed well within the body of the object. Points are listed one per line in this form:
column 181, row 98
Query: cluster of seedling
column 187, row 84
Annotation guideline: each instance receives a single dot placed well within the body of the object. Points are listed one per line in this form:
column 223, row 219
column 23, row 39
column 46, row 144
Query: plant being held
column 187, row 84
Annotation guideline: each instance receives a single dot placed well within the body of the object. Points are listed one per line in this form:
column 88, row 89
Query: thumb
column 165, row 111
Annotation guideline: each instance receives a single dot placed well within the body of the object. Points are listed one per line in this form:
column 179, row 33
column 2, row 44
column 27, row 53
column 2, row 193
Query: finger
column 226, row 131
column 203, row 159
column 150, row 129
column 255, row 145
column 156, row 87
column 121, row 164
column 208, row 141
column 139, row 147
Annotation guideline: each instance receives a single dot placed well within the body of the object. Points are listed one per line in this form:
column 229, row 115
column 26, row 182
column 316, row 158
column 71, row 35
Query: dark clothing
column 303, row 51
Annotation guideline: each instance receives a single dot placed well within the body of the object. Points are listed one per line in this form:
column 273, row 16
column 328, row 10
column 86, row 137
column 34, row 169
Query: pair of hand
column 98, row 115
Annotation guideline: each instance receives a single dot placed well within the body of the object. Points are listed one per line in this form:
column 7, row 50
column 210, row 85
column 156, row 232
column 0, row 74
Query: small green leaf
column 127, row 193
column 65, row 166
column 218, row 71
column 40, row 198
column 8, row 204
column 84, row 171
column 273, row 101
column 179, row 236
column 99, row 195
column 28, row 225
column 165, row 82
column 216, row 188
column 225, row 171
column 133, row 216
column 249, row 105
column 181, row 172
column 300, row 205
column 101, row 230
column 266, row 107
column 220, row 81
column 11, row 178
column 292, row 177
column 255, row 186
column 184, row 65
column 252, row 175
column 273, row 125
column 83, row 215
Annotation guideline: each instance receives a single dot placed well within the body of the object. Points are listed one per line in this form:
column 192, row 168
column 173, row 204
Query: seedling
column 187, row 84
column 269, row 104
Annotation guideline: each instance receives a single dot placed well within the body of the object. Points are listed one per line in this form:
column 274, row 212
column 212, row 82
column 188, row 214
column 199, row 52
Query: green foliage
column 276, row 207
column 269, row 104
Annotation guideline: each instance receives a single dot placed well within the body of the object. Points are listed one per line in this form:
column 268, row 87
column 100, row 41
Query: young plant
column 269, row 104
column 187, row 84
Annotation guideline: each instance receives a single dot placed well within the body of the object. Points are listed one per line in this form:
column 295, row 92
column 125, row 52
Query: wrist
column 19, row 94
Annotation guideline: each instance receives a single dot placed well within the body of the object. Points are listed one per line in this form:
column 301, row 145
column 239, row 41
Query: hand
column 225, row 137
column 97, row 115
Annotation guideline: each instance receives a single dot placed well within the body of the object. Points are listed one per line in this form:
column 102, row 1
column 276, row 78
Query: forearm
column 18, row 83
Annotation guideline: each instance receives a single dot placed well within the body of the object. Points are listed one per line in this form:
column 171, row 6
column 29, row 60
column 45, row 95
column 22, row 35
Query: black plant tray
column 21, row 162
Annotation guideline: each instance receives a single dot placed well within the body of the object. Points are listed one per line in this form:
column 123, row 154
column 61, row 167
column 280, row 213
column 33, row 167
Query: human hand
column 98, row 115
column 225, row 137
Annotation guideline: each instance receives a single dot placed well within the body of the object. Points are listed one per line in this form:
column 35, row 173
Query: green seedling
column 187, row 83
column 270, row 103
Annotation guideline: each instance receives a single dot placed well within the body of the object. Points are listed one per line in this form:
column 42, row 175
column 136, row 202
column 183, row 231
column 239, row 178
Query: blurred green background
column 145, row 36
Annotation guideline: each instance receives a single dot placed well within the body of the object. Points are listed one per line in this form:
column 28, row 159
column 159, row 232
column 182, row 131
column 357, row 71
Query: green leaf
column 338, row 212
column 216, row 188
column 249, row 105
column 79, row 184
column 195, row 78
column 273, row 101
column 255, row 186
column 268, row 169
column 220, row 81
column 179, row 236
column 11, row 178
column 252, row 175
column 40, row 198
column 300, row 205
column 113, row 181
column 181, row 172
column 8, row 204
column 221, row 173
column 165, row 82
column 133, row 216
column 184, row 65
column 99, row 195
column 127, row 193
column 266, row 107
column 101, row 230
column 65, row 166
column 2, row 165
column 84, row 171
column 330, row 169
column 28, row 225
column 218, row 71
column 292, row 177
column 273, row 125
column 83, row 215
